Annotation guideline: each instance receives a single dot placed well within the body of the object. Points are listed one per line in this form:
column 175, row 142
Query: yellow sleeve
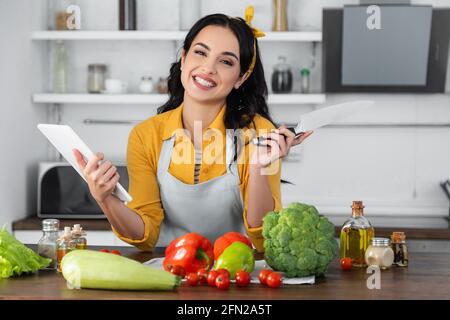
column 144, row 189
column 255, row 234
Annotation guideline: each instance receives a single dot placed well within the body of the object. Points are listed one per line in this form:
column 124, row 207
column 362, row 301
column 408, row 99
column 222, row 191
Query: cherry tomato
column 202, row 275
column 222, row 282
column 104, row 250
column 192, row 279
column 223, row 271
column 178, row 270
column 212, row 275
column 262, row 276
column 274, row 280
column 116, row 252
column 242, row 278
column 346, row 263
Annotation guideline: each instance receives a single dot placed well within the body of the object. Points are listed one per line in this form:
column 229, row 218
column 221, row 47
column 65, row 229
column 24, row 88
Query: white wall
column 20, row 146
column 395, row 171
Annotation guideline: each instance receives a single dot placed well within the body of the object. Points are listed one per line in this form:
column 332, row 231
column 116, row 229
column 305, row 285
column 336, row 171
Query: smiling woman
column 216, row 88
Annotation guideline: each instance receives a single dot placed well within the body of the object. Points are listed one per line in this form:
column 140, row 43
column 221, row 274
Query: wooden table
column 427, row 277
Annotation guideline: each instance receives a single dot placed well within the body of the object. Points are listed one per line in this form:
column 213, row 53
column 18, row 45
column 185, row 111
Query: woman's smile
column 203, row 82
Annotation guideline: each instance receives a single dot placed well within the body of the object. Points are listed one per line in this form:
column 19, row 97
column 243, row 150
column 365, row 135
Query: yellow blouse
column 144, row 146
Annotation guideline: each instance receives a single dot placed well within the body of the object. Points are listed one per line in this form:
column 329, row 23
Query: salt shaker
column 47, row 244
column 146, row 85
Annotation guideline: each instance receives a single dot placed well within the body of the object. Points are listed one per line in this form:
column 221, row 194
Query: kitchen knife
column 322, row 117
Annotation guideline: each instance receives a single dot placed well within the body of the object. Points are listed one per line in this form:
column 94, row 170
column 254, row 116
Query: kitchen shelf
column 291, row 36
column 279, row 99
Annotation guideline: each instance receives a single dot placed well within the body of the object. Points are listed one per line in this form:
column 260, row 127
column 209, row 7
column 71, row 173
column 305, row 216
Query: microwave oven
column 62, row 193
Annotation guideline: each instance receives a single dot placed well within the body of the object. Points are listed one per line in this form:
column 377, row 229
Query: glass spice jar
column 47, row 244
column 63, row 246
column 380, row 253
column 78, row 238
column 97, row 73
column 398, row 244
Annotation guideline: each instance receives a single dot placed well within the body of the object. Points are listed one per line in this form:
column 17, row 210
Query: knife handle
column 257, row 141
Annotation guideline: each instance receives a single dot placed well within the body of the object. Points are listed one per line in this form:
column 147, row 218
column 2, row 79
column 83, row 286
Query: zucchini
column 101, row 270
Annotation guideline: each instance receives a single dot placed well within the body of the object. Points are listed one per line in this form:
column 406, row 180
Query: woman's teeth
column 204, row 82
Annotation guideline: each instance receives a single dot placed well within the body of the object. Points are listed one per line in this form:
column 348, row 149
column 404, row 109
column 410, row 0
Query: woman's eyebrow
column 227, row 53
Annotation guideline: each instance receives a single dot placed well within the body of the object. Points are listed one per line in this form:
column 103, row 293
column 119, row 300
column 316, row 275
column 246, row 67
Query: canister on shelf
column 97, row 73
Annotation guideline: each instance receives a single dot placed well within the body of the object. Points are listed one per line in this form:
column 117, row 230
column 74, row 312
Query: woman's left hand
column 276, row 145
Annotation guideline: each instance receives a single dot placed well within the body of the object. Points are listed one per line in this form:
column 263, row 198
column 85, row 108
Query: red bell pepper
column 228, row 238
column 191, row 251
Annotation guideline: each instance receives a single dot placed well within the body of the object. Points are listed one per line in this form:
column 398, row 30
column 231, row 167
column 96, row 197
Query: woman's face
column 211, row 67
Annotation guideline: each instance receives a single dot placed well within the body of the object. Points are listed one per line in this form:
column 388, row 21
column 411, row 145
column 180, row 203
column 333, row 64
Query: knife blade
column 322, row 117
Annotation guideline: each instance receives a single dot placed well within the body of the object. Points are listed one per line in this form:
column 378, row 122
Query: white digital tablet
column 64, row 139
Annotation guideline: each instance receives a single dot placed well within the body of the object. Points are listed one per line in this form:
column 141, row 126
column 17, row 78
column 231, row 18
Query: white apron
column 210, row 208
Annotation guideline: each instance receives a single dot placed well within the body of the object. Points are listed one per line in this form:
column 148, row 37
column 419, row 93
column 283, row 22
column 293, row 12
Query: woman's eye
column 199, row 52
column 228, row 63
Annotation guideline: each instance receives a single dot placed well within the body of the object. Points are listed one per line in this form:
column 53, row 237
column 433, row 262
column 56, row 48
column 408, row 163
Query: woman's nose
column 209, row 67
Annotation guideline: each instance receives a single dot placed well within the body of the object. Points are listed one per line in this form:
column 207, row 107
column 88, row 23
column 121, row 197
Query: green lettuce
column 15, row 258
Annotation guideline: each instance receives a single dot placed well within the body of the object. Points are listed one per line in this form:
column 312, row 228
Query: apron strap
column 166, row 155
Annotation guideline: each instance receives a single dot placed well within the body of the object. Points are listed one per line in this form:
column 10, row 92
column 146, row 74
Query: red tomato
column 242, row 278
column 274, row 280
column 104, row 250
column 178, row 270
column 262, row 276
column 192, row 279
column 212, row 277
column 223, row 271
column 116, row 252
column 346, row 263
column 222, row 282
column 202, row 275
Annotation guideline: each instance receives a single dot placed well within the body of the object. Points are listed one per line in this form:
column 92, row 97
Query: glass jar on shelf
column 146, row 85
column 60, row 68
column 162, row 85
column 97, row 73
column 282, row 77
column 47, row 243
column 305, row 80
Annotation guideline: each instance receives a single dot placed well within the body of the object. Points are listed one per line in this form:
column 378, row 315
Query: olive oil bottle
column 356, row 236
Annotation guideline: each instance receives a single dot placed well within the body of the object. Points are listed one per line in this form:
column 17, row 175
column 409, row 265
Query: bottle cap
column 357, row 208
column 305, row 72
column 398, row 236
column 378, row 242
column 77, row 230
column 50, row 225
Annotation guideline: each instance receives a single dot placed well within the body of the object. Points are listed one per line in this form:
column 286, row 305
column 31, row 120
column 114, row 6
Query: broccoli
column 298, row 241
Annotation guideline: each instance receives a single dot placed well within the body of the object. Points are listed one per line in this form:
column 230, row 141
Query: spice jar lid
column 97, row 66
column 50, row 225
column 398, row 236
column 381, row 242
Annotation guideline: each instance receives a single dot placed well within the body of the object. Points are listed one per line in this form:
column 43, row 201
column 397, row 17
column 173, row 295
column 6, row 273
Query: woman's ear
column 242, row 79
column 183, row 57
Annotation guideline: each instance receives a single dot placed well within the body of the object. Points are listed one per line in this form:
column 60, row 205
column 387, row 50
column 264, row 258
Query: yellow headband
column 249, row 12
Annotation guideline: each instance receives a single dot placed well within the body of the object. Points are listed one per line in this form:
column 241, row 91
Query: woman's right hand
column 101, row 179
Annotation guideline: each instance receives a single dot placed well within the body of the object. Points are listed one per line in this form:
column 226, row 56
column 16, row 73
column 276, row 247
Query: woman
column 178, row 185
